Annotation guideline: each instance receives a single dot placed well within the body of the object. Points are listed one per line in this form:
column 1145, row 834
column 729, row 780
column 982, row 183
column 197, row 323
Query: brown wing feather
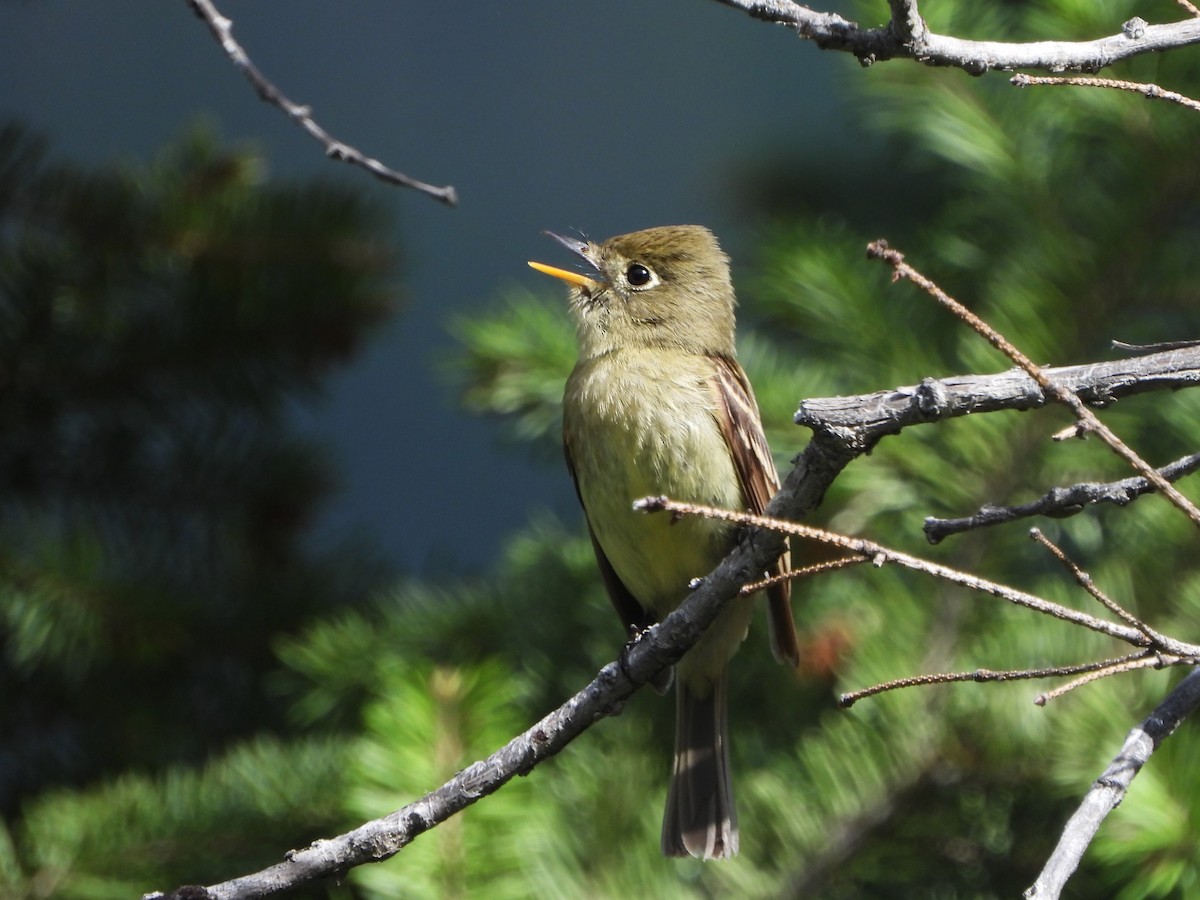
column 742, row 427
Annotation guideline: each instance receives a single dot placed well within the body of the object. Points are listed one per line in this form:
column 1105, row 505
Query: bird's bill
column 575, row 278
column 584, row 251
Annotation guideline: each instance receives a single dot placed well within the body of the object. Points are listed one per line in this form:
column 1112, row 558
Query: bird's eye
column 637, row 275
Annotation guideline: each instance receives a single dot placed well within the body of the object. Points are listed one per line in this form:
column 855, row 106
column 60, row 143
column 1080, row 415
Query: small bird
column 658, row 404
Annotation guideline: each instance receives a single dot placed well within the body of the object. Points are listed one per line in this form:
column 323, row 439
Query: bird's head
column 661, row 287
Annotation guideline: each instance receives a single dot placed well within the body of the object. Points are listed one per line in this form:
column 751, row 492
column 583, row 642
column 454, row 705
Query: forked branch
column 906, row 36
column 1154, row 649
column 1087, row 421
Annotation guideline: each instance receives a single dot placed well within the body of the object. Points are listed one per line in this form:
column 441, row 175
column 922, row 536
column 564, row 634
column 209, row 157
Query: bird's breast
column 639, row 424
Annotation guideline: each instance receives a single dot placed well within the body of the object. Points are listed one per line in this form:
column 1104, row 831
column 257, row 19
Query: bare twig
column 1154, row 347
column 222, row 29
column 898, row 40
column 1148, row 660
column 907, row 24
column 1156, row 650
column 849, row 698
column 901, row 269
column 1060, row 502
column 1084, row 580
column 880, row 555
column 820, row 568
column 1150, row 91
column 1109, row 789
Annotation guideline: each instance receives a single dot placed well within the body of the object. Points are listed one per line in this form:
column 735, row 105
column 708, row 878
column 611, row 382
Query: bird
column 657, row 404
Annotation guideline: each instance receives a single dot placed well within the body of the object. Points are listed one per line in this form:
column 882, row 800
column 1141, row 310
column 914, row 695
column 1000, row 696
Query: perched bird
column 657, row 404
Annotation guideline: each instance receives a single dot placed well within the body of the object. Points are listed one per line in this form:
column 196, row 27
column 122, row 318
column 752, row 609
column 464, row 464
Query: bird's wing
column 741, row 426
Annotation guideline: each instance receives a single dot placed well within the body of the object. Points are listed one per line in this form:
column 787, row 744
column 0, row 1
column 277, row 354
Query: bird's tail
column 700, row 819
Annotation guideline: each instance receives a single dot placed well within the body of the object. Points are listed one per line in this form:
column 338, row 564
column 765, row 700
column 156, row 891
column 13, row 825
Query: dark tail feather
column 700, row 819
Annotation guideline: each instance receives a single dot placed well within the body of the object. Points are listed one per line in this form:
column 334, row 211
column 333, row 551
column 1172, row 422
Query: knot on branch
column 1135, row 28
column 930, row 398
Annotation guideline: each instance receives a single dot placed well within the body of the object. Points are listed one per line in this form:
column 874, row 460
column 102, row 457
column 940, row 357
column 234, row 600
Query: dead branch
column 1109, row 789
column 1060, row 502
column 222, row 29
column 1149, row 91
column 907, row 36
column 657, row 648
column 1136, row 633
column 861, row 420
column 1088, row 423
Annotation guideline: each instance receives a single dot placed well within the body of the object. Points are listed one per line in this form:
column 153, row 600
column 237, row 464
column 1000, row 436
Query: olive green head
column 662, row 287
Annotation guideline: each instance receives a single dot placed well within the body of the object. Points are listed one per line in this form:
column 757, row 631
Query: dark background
column 602, row 117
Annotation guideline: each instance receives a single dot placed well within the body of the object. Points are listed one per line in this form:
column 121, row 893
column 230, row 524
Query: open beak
column 583, row 250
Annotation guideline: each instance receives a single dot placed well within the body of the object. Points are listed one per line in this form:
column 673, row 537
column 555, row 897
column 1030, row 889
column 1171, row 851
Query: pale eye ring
column 637, row 275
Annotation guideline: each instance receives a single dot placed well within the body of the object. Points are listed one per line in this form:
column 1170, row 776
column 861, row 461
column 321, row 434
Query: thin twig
column 1149, row 91
column 1149, row 660
column 849, row 698
column 1156, row 347
column 1109, row 789
column 1189, row 6
column 880, row 555
column 901, row 269
column 1060, row 502
column 222, row 29
column 804, row 572
column 1084, row 580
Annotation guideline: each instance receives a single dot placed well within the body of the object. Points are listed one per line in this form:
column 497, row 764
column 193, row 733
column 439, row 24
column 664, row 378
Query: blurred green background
column 286, row 539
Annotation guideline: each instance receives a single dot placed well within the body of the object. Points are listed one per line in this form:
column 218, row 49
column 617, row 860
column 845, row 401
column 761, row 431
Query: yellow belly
column 627, row 442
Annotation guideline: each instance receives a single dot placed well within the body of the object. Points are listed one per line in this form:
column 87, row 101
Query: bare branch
column 848, row 699
column 222, row 29
column 1148, row 660
column 907, row 24
column 1109, row 789
column 1084, row 580
column 902, row 38
column 1150, row 91
column 831, row 565
column 901, row 269
column 879, row 555
column 1060, row 502
column 657, row 648
column 861, row 420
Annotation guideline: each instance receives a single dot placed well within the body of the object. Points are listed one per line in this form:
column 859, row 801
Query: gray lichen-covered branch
column 906, row 36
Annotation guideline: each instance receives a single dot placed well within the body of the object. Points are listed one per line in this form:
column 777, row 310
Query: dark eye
column 637, row 275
